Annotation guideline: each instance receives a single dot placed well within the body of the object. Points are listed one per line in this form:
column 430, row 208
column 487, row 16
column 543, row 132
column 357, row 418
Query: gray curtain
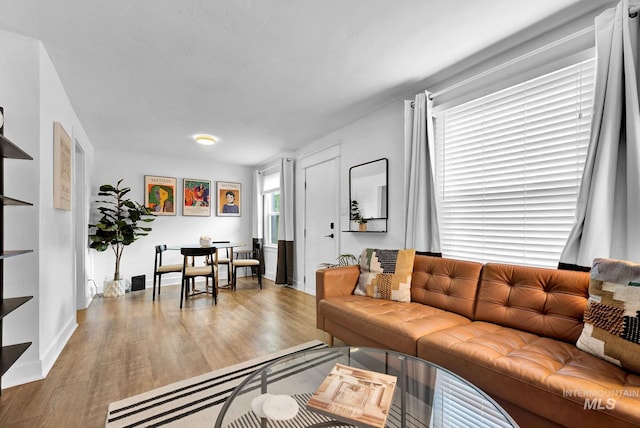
column 286, row 225
column 608, row 206
column 422, row 230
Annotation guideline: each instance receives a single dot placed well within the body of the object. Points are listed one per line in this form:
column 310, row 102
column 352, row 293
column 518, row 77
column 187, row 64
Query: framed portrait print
column 160, row 194
column 197, row 197
column 61, row 168
column 229, row 199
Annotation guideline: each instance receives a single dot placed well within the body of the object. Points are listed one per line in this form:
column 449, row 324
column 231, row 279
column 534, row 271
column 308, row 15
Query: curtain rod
column 516, row 60
column 267, row 170
column 274, row 167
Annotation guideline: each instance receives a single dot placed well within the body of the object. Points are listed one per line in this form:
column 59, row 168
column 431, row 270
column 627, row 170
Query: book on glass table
column 355, row 395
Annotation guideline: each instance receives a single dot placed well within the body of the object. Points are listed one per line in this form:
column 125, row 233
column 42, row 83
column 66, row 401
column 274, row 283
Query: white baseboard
column 25, row 371
column 54, row 351
column 22, row 372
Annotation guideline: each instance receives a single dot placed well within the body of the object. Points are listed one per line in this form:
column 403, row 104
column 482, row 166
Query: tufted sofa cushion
column 545, row 302
column 445, row 284
column 509, row 349
column 363, row 321
column 527, row 370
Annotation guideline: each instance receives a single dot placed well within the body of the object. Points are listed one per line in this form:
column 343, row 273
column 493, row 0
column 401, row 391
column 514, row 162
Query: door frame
column 310, row 160
column 83, row 295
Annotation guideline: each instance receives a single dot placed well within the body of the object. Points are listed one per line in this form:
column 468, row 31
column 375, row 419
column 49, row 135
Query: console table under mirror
column 369, row 196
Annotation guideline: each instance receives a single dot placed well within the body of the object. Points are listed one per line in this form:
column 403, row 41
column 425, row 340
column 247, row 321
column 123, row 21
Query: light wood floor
column 128, row 345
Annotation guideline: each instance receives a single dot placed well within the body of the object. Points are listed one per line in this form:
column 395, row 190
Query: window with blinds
column 508, row 168
column 457, row 404
column 271, row 208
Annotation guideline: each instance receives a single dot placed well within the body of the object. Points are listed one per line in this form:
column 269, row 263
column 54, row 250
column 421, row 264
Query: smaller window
column 272, row 217
column 271, row 201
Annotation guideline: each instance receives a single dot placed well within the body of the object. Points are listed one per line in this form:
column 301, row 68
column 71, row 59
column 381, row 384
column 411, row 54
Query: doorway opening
column 83, row 292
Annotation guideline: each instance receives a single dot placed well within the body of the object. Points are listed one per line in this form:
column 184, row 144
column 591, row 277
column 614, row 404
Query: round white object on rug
column 280, row 407
column 257, row 404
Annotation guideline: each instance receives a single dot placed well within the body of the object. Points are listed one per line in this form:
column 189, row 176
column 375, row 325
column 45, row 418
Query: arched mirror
column 368, row 196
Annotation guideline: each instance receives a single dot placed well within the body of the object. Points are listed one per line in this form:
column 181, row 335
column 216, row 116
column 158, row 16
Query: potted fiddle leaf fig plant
column 117, row 228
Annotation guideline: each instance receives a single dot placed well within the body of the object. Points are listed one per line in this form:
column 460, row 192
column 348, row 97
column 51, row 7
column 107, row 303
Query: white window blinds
column 271, row 182
column 508, row 169
column 458, row 404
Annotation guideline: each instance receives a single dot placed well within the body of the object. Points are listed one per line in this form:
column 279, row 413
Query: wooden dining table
column 217, row 245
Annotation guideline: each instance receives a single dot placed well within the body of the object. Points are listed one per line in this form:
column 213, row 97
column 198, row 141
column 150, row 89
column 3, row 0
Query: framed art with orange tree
column 160, row 194
column 229, row 199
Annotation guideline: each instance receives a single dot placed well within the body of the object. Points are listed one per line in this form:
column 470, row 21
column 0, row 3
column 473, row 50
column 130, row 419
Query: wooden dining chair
column 245, row 254
column 222, row 259
column 253, row 261
column 190, row 272
column 159, row 269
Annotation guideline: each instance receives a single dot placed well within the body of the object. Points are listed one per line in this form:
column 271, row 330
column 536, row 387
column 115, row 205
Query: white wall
column 33, row 97
column 19, row 94
column 56, row 243
column 270, row 262
column 379, row 135
column 171, row 230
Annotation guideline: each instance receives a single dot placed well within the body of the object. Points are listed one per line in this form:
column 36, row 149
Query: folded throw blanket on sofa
column 612, row 318
column 386, row 274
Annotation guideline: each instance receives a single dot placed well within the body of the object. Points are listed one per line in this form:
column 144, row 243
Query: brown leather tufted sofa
column 510, row 330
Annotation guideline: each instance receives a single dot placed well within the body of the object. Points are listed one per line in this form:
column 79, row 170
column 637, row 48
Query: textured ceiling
column 264, row 76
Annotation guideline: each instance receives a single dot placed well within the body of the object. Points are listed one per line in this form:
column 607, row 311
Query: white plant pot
column 113, row 288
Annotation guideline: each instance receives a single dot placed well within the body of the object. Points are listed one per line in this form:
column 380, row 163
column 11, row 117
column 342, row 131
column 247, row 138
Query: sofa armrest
column 338, row 281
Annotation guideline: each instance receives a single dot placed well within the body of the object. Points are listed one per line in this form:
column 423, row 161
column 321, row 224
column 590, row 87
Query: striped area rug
column 193, row 402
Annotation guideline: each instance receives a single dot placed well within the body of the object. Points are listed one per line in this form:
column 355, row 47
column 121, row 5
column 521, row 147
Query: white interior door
column 321, row 218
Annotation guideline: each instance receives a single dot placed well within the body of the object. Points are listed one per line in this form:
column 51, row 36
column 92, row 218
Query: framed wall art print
column 61, row 168
column 229, row 199
column 160, row 194
column 197, row 197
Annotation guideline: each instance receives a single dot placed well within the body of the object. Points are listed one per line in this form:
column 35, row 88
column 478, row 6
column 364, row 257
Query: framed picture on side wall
column 61, row 168
column 197, row 197
column 229, row 199
column 160, row 194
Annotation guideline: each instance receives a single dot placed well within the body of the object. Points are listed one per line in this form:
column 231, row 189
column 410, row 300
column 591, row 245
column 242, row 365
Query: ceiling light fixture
column 206, row 140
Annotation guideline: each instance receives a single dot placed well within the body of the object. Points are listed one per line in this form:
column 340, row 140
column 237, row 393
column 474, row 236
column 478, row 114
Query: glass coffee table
column 425, row 395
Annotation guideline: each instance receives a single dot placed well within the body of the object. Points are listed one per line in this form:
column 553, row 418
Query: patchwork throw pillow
column 386, row 274
column 612, row 318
